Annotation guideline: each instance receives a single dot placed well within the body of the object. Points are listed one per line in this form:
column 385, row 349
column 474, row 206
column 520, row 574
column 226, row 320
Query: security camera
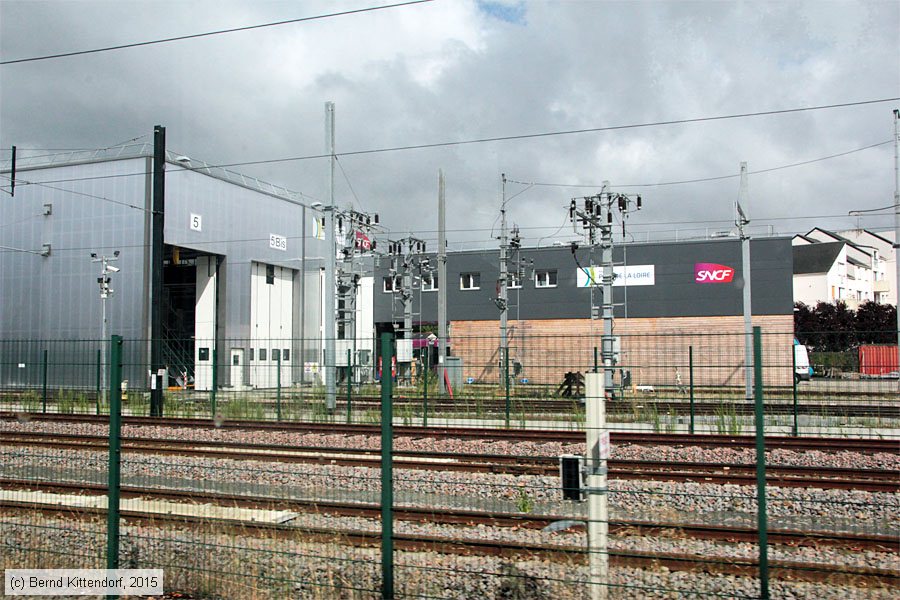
column 316, row 205
column 116, row 253
column 112, row 269
column 93, row 255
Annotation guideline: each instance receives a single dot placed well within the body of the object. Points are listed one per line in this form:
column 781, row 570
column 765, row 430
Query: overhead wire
column 350, row 185
column 538, row 135
column 210, row 33
column 714, row 178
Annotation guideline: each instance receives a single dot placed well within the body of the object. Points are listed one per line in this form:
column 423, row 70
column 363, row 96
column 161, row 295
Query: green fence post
column 387, row 471
column 761, row 518
column 115, row 453
column 212, row 391
column 795, row 429
column 506, row 381
column 425, row 387
column 349, row 382
column 99, row 362
column 691, row 382
column 595, row 359
column 278, row 388
column 44, row 380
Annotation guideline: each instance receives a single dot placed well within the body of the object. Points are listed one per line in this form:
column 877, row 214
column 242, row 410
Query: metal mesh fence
column 270, row 511
column 663, row 383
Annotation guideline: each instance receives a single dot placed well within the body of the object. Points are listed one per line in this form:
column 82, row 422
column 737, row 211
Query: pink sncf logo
column 712, row 273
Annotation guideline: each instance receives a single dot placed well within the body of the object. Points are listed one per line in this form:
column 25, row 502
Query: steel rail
column 473, row 547
column 701, row 472
column 572, row 436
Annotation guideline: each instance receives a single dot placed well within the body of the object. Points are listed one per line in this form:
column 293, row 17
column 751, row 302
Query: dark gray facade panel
column 674, row 293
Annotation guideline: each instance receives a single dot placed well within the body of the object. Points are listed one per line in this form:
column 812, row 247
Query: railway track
column 740, row 474
column 680, row 406
column 569, row 436
column 520, row 550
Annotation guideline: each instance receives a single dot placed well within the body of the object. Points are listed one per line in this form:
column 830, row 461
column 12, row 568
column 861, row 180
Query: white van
column 802, row 369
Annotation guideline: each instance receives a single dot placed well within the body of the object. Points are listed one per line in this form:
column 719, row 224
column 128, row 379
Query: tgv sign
column 712, row 273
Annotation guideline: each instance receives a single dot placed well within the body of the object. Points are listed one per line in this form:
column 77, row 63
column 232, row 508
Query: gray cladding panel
column 236, row 223
column 57, row 297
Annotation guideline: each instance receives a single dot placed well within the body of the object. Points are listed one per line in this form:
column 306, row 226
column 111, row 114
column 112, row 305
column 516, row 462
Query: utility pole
column 406, row 255
column 897, row 230
column 358, row 241
column 596, row 215
column 105, row 292
column 330, row 266
column 158, row 380
column 503, row 293
column 443, row 284
column 740, row 219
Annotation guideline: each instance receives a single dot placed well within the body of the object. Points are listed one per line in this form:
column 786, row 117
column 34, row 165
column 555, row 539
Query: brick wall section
column 655, row 351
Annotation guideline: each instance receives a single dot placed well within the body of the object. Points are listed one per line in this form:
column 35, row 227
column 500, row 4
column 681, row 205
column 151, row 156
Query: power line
column 567, row 132
column 350, row 185
column 707, row 179
column 868, row 210
column 210, row 33
column 538, row 135
column 59, row 189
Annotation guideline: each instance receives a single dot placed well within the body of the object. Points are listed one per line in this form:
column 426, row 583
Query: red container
column 877, row 360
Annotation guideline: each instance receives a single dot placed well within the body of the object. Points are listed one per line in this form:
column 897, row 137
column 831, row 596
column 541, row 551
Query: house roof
column 816, row 258
column 840, row 238
column 875, row 235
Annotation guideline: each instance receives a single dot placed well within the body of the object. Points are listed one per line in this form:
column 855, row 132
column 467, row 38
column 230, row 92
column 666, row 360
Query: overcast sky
column 454, row 70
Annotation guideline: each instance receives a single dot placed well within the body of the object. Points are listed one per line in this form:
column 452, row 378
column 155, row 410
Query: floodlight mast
column 105, row 292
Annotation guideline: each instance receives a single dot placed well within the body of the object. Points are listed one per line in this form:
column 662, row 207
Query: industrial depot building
column 241, row 277
column 670, row 299
column 244, row 272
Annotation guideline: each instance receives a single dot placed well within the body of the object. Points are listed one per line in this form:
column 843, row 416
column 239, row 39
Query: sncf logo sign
column 712, row 273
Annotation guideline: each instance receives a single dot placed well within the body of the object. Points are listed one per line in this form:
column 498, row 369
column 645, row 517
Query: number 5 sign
column 196, row 222
column 278, row 242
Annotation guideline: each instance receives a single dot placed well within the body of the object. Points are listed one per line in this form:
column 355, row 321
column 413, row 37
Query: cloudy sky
column 461, row 71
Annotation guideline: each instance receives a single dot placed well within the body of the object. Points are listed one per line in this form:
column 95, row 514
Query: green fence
column 664, row 383
column 329, row 514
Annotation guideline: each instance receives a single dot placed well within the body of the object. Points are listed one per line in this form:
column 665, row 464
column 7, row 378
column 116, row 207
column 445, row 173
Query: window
column 513, row 281
column 251, row 353
column 286, row 354
column 470, row 281
column 262, row 354
column 276, row 354
column 545, row 278
column 391, row 284
column 270, row 274
column 429, row 282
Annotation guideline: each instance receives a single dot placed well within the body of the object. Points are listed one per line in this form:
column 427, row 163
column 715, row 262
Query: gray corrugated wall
column 103, row 208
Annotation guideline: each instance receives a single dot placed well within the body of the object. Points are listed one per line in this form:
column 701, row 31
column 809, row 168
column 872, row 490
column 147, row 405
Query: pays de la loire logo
column 712, row 273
